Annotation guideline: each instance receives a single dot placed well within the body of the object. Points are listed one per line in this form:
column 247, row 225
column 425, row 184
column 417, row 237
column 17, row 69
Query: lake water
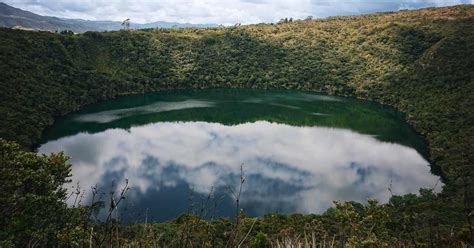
column 299, row 151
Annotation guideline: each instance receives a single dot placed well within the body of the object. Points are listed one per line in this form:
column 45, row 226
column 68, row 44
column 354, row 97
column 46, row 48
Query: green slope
column 418, row 61
column 421, row 62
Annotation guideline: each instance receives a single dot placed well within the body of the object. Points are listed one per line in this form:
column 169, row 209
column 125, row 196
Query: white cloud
column 304, row 168
column 215, row 11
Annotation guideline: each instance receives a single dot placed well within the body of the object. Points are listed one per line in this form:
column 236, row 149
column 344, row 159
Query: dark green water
column 300, row 151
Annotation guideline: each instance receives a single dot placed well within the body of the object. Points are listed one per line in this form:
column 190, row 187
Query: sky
column 217, row 11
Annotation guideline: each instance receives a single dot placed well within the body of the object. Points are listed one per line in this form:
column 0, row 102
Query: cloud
column 216, row 11
column 287, row 168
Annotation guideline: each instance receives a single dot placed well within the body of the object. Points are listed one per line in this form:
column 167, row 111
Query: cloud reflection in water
column 288, row 168
column 112, row 115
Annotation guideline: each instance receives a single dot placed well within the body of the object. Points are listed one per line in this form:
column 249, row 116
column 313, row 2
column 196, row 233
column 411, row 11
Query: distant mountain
column 113, row 25
column 15, row 17
column 10, row 17
column 171, row 25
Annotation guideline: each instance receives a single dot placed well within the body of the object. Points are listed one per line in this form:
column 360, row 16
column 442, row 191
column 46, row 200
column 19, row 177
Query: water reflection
column 157, row 107
column 288, row 168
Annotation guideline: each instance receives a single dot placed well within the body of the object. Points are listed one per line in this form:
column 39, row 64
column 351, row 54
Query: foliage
column 32, row 198
column 417, row 61
column 260, row 241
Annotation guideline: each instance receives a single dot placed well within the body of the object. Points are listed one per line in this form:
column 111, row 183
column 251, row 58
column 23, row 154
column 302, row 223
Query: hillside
column 11, row 17
column 420, row 62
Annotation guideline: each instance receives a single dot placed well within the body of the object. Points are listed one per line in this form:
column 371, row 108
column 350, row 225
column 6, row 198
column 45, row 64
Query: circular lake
column 299, row 152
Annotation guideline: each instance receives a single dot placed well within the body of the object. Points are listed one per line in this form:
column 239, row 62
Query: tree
column 33, row 211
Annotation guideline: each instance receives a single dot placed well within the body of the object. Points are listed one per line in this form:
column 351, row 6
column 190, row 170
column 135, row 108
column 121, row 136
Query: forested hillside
column 421, row 62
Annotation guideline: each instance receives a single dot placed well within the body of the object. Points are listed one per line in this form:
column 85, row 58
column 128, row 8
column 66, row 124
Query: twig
column 250, row 230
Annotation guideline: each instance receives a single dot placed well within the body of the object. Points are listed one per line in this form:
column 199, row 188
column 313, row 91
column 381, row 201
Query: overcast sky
column 216, row 11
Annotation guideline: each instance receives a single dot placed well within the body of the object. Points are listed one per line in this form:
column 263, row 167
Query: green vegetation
column 32, row 197
column 420, row 62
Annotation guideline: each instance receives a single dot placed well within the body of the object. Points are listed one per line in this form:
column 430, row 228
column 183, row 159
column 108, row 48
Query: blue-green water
column 299, row 151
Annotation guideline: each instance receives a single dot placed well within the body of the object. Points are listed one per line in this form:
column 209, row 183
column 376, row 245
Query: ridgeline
column 421, row 62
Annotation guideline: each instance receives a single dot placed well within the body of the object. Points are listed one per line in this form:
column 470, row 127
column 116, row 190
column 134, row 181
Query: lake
column 182, row 152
